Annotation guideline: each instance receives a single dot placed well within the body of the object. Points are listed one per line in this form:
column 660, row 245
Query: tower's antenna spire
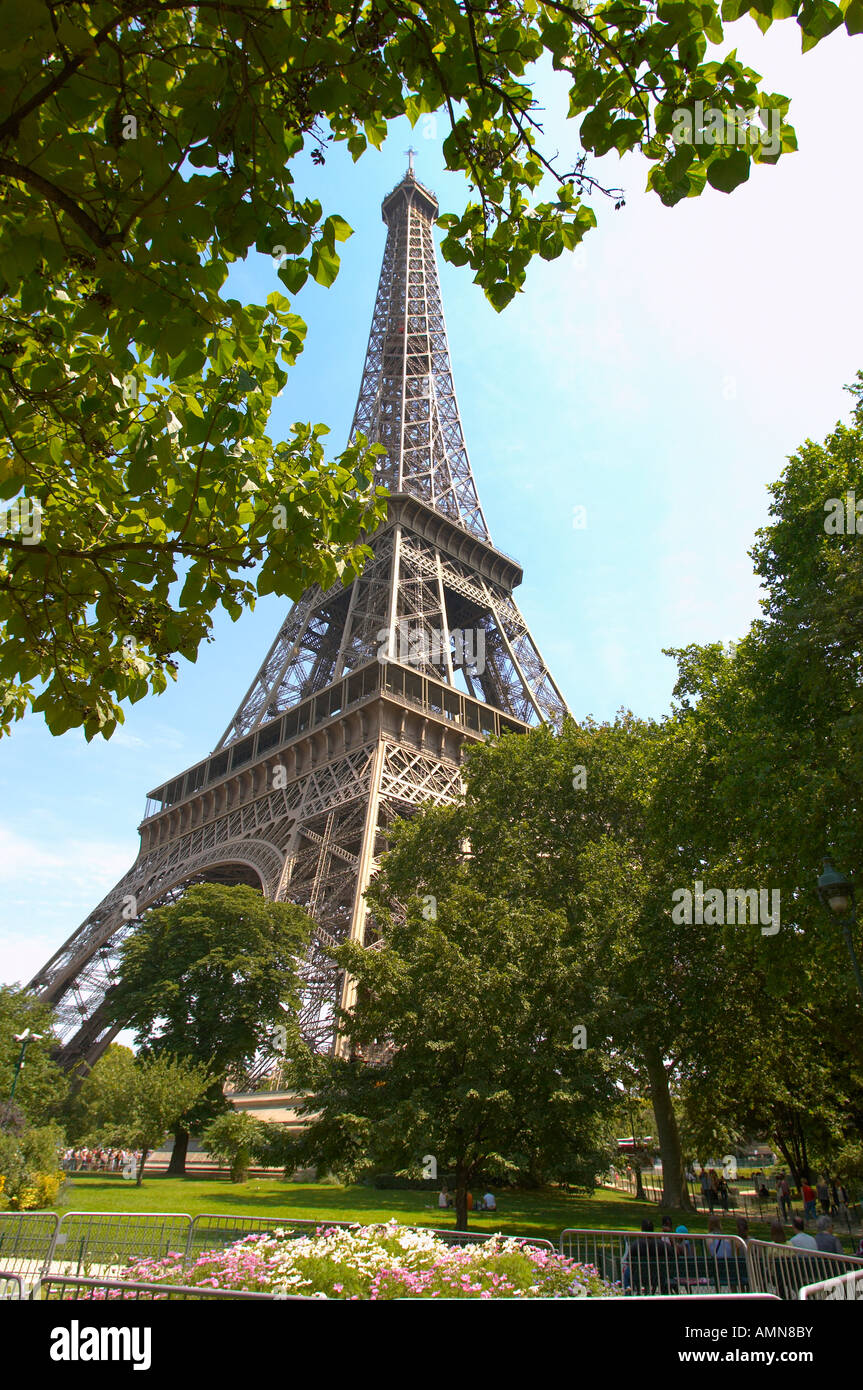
column 410, row 152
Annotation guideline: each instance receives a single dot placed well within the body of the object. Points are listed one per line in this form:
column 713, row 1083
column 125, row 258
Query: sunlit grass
column 520, row 1213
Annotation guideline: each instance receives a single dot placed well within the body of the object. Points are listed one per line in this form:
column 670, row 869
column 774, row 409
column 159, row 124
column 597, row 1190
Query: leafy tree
column 135, row 1104
column 146, row 147
column 769, row 751
column 205, row 978
column 42, row 1085
column 90, row 1106
column 232, row 1138
column 466, row 1021
column 565, row 823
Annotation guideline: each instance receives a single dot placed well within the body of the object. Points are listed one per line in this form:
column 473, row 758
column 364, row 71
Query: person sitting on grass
column 490, row 1202
column 825, row 1239
column 635, row 1249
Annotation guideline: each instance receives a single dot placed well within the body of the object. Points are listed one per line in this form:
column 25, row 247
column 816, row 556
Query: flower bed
column 379, row 1262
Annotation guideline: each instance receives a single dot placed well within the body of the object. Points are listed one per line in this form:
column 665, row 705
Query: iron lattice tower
column 368, row 696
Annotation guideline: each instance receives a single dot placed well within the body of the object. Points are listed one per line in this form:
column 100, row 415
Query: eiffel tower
column 368, row 696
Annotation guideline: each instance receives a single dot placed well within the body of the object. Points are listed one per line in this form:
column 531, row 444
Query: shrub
column 29, row 1168
column 231, row 1138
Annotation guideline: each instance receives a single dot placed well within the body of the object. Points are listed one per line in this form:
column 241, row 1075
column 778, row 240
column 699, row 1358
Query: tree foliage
column 134, row 1102
column 232, row 1139
column 42, row 1086
column 146, row 147
column 465, row 1021
column 206, row 976
column 214, row 978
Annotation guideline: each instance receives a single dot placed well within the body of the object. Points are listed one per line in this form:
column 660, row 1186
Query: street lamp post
column 25, row 1040
column 836, row 891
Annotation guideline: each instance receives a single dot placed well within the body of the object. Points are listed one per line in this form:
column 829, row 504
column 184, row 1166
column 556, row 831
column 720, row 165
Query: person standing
column 807, row 1192
column 783, row 1192
column 705, row 1188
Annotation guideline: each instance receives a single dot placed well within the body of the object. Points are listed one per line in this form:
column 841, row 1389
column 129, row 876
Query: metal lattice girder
column 332, row 743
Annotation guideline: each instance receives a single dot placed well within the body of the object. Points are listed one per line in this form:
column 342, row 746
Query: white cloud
column 49, row 886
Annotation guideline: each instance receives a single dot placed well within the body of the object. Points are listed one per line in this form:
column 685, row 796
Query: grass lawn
column 520, row 1213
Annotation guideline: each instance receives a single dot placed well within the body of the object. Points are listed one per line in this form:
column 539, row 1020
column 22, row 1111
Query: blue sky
column 659, row 378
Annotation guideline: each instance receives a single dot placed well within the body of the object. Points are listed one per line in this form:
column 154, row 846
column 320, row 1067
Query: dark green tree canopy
column 205, row 977
column 469, row 1022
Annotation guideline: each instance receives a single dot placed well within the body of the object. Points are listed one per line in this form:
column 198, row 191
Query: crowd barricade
column 104, row 1242
column 66, row 1287
column 12, row 1287
column 844, row 1286
column 26, row 1241
column 786, row 1269
column 215, row 1231
column 652, row 1263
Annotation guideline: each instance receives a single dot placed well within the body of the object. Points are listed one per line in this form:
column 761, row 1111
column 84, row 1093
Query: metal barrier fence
column 100, row 1242
column 848, row 1286
column 67, row 1287
column 214, row 1232
column 648, row 1262
column 82, row 1251
column 26, row 1241
column 11, row 1286
column 786, row 1269
column 34, row 1244
column 748, row 1204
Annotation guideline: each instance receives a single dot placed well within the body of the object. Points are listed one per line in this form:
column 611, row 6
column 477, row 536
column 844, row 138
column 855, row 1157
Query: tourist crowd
column 100, row 1160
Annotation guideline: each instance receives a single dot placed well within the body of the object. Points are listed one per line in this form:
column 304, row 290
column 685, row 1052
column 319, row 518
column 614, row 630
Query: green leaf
column 294, row 274
column 725, row 172
column 323, row 264
column 854, row 17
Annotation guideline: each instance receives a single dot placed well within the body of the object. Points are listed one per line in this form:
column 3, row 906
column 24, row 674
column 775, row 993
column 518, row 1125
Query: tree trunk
column 789, row 1153
column 177, row 1165
column 460, row 1197
column 240, row 1166
column 675, row 1193
column 140, row 1178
